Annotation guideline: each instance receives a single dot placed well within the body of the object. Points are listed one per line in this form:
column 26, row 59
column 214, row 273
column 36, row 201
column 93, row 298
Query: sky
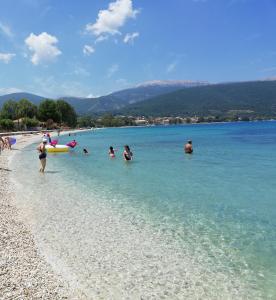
column 89, row 48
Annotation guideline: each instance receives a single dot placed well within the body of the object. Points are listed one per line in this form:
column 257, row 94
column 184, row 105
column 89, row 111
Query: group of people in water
column 127, row 153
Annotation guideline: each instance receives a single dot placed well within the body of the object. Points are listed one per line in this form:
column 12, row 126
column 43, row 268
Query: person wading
column 189, row 147
column 42, row 156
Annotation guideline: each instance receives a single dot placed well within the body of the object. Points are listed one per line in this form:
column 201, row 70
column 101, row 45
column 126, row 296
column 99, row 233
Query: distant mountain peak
column 270, row 79
column 184, row 83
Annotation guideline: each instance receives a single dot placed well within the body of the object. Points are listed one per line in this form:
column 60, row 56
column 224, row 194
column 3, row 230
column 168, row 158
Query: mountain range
column 116, row 100
column 177, row 98
column 35, row 99
column 255, row 98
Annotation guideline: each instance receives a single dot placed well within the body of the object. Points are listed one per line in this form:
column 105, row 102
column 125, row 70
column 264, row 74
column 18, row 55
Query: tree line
column 29, row 115
column 106, row 120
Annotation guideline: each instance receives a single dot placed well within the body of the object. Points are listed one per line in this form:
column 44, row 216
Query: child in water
column 111, row 152
column 127, row 153
column 85, row 151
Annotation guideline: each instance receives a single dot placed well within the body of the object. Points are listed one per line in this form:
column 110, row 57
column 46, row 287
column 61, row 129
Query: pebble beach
column 24, row 274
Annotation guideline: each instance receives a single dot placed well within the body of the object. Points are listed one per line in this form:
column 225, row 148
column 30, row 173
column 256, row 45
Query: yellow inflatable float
column 57, row 148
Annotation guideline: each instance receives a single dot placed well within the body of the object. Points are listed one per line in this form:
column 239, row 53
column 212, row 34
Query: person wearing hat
column 42, row 154
column 189, row 147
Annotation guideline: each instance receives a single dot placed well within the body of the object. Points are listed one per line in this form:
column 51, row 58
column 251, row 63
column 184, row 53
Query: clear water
column 165, row 226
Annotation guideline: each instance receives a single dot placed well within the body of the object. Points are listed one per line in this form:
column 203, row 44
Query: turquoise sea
column 167, row 225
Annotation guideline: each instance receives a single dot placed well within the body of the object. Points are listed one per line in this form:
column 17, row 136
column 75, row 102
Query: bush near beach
column 24, row 115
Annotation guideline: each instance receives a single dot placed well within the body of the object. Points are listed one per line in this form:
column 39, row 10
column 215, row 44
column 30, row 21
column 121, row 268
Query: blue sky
column 93, row 47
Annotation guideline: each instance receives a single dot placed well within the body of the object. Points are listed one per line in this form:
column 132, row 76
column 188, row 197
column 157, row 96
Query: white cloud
column 88, row 50
column 81, row 72
column 52, row 88
column 6, row 57
column 101, row 38
column 92, row 96
column 5, row 91
column 129, row 37
column 6, row 30
column 43, row 47
column 171, row 67
column 112, row 70
column 110, row 20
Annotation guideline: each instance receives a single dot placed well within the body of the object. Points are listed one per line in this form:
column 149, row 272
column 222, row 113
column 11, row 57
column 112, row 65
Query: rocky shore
column 24, row 274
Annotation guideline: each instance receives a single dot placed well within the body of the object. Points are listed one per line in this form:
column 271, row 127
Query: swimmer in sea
column 42, row 156
column 189, row 147
column 111, row 152
column 85, row 151
column 127, row 154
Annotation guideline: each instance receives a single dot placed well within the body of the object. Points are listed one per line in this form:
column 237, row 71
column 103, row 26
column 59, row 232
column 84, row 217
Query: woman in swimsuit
column 111, row 152
column 42, row 156
column 127, row 153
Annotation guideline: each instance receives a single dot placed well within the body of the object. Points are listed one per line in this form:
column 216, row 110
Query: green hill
column 256, row 98
column 114, row 101
column 35, row 99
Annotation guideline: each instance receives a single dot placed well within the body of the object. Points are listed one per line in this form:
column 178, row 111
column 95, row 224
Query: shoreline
column 24, row 271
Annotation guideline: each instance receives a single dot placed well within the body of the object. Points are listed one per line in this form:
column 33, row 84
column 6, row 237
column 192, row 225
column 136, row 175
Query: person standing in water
column 127, row 154
column 111, row 152
column 42, row 156
column 49, row 138
column 189, row 147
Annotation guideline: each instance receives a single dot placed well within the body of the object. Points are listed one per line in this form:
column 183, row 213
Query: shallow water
column 166, row 225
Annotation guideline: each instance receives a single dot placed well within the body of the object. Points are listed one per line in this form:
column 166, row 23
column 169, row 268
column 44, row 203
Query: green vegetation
column 86, row 121
column 25, row 109
column 30, row 122
column 233, row 101
column 23, row 114
column 9, row 110
column 47, row 110
column 67, row 113
column 107, row 120
column 6, row 124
